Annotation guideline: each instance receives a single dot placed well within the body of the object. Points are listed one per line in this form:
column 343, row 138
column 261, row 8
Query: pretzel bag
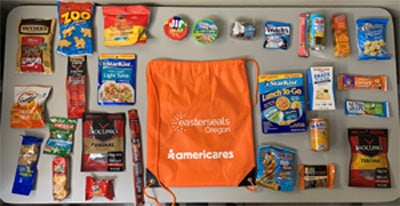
column 199, row 124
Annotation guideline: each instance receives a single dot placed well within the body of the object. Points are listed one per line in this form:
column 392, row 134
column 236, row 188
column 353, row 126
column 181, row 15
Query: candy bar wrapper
column 346, row 81
column 368, row 108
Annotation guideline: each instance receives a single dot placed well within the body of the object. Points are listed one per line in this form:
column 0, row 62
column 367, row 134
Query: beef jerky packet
column 76, row 86
column 35, row 39
column 369, row 166
column 103, row 142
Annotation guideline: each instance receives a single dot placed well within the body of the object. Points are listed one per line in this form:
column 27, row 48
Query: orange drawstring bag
column 199, row 123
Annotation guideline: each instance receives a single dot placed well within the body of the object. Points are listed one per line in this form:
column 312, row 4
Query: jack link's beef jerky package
column 103, row 142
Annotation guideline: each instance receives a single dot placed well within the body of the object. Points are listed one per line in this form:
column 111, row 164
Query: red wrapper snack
column 369, row 165
column 125, row 25
column 99, row 187
column 346, row 81
column 76, row 86
column 61, row 179
column 103, row 142
column 302, row 44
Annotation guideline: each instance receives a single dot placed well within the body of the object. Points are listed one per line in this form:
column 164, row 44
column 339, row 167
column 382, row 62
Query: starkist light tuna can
column 319, row 134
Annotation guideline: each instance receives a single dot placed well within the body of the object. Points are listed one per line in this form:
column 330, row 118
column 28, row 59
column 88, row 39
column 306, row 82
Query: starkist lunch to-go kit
column 199, row 110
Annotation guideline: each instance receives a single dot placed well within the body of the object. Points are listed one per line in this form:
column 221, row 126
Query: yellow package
column 125, row 25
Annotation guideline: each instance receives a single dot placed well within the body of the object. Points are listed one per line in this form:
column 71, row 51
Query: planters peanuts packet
column 282, row 103
column 275, row 167
column 75, row 28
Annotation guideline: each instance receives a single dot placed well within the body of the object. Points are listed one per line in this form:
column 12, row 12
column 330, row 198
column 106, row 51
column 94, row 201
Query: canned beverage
column 317, row 31
column 319, row 134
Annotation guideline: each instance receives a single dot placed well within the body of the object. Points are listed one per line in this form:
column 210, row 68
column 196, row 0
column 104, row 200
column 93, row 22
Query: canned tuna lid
column 205, row 31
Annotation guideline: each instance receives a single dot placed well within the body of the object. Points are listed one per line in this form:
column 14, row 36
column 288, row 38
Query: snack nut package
column 282, row 103
column 321, row 88
column 75, row 21
column 35, row 39
column 317, row 176
column 275, row 167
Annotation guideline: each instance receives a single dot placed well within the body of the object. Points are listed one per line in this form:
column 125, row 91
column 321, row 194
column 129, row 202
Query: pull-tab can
column 317, row 31
column 319, row 134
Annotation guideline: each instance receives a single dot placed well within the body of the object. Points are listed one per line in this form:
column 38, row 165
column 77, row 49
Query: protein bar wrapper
column 347, row 81
column 369, row 108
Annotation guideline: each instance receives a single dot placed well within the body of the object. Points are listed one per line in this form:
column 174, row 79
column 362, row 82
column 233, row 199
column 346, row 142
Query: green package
column 61, row 137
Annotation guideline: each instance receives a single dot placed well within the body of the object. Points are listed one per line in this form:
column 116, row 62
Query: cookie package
column 321, row 88
column 75, row 19
column 275, row 167
column 282, row 103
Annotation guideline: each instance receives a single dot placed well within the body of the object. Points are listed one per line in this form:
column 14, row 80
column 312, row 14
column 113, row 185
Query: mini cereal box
column 321, row 88
column 282, row 103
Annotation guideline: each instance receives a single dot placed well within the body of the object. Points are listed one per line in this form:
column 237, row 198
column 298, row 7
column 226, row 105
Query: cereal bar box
column 282, row 103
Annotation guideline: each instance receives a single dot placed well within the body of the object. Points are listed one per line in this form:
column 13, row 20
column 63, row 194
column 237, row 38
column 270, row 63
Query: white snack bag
column 321, row 88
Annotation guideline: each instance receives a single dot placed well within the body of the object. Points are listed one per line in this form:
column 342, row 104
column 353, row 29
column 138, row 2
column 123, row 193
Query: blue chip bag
column 75, row 21
column 26, row 168
column 275, row 167
column 117, row 79
column 277, row 35
column 371, row 34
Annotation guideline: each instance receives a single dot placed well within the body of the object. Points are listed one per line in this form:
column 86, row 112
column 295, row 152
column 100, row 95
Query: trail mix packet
column 117, row 79
column 125, row 25
column 317, row 176
column 371, row 35
column 29, row 105
column 75, row 19
column 103, row 140
column 61, row 137
column 25, row 175
column 347, row 81
column 369, row 166
column 368, row 108
column 277, row 35
column 76, row 81
column 275, row 167
column 35, row 39
column 99, row 187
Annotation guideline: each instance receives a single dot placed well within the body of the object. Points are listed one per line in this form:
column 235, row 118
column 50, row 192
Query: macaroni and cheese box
column 282, row 103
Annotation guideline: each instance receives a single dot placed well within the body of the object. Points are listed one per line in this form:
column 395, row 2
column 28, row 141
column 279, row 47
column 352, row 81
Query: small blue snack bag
column 371, row 34
column 75, row 21
column 275, row 167
column 277, row 35
column 26, row 168
column 117, row 79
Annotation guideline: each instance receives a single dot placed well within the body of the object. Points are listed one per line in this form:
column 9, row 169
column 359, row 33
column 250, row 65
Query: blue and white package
column 26, row 168
column 277, row 35
column 367, row 108
column 275, row 167
column 75, row 20
column 371, row 35
column 117, row 79
column 321, row 88
column 282, row 103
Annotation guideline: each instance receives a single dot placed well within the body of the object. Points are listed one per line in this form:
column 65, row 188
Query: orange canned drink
column 319, row 134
